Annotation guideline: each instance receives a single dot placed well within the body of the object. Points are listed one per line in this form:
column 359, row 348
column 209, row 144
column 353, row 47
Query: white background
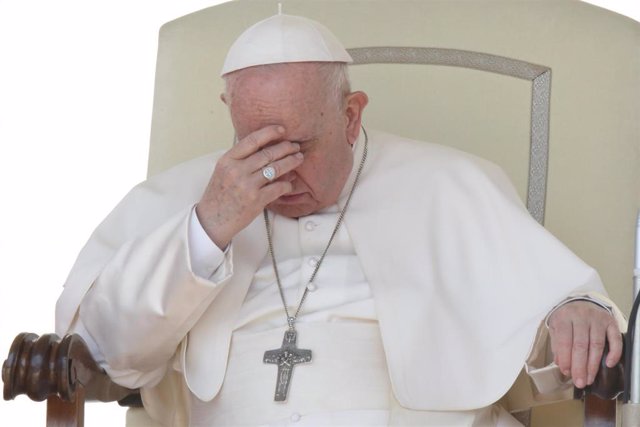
column 76, row 90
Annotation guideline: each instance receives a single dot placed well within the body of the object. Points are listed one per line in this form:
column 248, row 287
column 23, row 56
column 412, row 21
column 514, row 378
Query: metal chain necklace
column 289, row 355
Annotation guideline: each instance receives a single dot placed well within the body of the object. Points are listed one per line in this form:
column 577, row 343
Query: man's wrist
column 218, row 237
column 205, row 255
column 568, row 300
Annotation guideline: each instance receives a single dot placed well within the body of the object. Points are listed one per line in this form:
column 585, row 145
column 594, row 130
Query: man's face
column 295, row 97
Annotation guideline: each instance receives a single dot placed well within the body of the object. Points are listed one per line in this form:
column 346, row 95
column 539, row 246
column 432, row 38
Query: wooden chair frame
column 62, row 371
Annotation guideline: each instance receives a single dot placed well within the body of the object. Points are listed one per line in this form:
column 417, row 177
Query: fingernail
column 590, row 379
column 579, row 383
column 299, row 155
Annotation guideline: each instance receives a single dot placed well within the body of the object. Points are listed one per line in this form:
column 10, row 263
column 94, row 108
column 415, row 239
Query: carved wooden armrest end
column 608, row 383
column 50, row 366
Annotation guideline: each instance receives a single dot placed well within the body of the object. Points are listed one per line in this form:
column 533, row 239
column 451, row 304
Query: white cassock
column 426, row 308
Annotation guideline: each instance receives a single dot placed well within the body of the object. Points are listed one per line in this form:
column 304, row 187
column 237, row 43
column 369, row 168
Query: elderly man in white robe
column 368, row 279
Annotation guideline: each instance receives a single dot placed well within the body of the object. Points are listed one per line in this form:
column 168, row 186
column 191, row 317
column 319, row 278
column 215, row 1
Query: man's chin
column 293, row 206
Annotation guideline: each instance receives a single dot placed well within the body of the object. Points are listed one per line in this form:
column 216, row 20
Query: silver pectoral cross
column 286, row 357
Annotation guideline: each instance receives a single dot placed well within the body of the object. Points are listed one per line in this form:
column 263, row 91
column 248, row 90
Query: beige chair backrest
column 593, row 55
column 512, row 81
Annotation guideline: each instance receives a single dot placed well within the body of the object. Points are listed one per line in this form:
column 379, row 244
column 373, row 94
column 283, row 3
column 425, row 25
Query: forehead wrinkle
column 266, row 98
column 297, row 117
column 280, row 85
column 260, row 113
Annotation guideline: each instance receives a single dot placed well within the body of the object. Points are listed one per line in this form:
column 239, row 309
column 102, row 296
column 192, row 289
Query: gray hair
column 334, row 75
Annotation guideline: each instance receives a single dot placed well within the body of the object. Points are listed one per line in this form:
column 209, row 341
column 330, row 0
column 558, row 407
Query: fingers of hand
column 578, row 332
column 236, row 182
column 272, row 153
column 561, row 332
column 597, row 339
column 274, row 190
column 579, row 354
column 255, row 141
column 615, row 344
column 281, row 167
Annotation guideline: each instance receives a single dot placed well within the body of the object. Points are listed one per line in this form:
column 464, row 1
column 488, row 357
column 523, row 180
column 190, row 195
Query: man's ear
column 223, row 99
column 355, row 103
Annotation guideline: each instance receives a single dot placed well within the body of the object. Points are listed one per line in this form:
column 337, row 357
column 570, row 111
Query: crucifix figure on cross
column 286, row 357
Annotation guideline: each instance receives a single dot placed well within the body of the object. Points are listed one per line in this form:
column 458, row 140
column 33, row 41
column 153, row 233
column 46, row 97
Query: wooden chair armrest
column 64, row 370
column 47, row 365
column 608, row 383
column 600, row 397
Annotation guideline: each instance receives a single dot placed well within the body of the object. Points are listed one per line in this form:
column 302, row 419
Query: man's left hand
column 578, row 332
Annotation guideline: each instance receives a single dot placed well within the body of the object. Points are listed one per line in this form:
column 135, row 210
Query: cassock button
column 312, row 287
column 310, row 226
column 295, row 417
column 313, row 262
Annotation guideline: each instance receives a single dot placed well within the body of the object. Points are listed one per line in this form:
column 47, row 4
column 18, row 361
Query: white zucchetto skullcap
column 284, row 38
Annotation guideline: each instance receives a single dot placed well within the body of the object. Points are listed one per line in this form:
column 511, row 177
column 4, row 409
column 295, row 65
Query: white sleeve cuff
column 206, row 258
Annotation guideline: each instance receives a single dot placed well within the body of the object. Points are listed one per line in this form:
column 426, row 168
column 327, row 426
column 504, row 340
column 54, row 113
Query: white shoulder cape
column 461, row 274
